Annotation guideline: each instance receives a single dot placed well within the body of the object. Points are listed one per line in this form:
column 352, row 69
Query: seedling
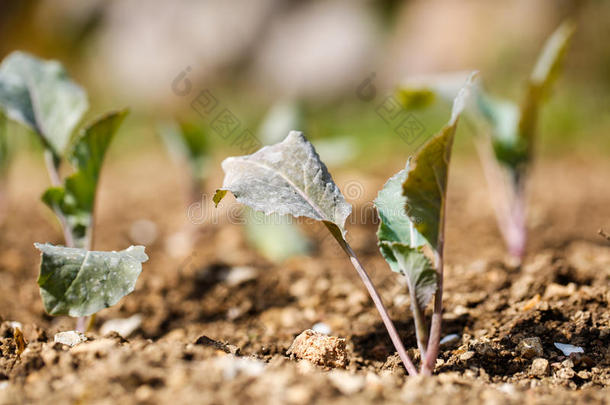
column 289, row 178
column 507, row 147
column 411, row 208
column 74, row 280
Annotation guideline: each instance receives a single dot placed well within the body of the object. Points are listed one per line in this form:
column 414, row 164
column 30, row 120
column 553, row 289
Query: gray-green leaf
column 78, row 282
column 286, row 178
column 40, row 95
column 415, row 266
column 426, row 185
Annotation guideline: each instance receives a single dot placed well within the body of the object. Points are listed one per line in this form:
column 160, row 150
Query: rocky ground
column 216, row 325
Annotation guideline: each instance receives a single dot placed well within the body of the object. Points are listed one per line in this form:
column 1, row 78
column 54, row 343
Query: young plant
column 507, row 147
column 288, row 178
column 74, row 280
column 188, row 146
column 411, row 208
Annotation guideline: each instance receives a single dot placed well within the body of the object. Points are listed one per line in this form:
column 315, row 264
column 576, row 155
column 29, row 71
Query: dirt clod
column 323, row 350
column 540, row 367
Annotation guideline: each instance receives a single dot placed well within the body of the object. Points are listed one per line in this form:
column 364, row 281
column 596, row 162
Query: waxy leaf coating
column 78, row 282
column 286, row 178
column 425, row 187
column 40, row 95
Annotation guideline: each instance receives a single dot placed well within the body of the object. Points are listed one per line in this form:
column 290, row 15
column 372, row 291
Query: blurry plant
column 188, row 145
column 411, row 208
column 40, row 95
column 507, row 147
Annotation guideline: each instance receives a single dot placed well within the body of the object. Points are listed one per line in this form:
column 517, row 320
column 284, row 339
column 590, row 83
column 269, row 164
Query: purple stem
column 402, row 353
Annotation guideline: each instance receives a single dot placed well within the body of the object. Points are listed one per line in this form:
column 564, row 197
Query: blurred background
column 250, row 55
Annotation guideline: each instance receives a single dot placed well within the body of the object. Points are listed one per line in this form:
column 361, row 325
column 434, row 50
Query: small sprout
column 411, row 208
column 507, row 148
column 74, row 280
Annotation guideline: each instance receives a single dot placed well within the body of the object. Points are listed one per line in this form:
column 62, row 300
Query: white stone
column 321, row 327
column 568, row 349
column 70, row 338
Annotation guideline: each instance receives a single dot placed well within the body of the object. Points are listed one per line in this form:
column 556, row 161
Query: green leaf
column 421, row 91
column 287, row 178
column 543, row 76
column 425, row 187
column 395, row 225
column 40, row 95
column 415, row 266
column 274, row 236
column 188, row 142
column 76, row 199
column 78, row 282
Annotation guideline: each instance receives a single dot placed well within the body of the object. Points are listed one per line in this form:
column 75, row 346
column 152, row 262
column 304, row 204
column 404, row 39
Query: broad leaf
column 286, row 178
column 40, row 95
column 75, row 200
column 78, row 282
column 425, row 187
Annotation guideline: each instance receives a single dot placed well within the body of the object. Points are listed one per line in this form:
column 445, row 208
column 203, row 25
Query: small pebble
column 530, row 347
column 321, row 327
column 568, row 349
column 70, row 338
column 540, row 367
column 467, row 355
column 345, row 382
column 450, row 340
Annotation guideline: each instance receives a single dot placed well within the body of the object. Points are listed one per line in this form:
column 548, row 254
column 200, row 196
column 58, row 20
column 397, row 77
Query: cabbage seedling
column 411, row 208
column 74, row 280
column 289, row 178
column 507, row 151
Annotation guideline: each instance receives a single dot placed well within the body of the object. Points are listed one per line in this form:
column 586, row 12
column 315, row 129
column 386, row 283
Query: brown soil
column 206, row 340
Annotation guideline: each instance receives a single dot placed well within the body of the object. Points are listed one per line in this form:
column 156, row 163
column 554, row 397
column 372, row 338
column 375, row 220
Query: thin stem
column 508, row 201
column 421, row 331
column 53, row 169
column 435, row 325
column 402, row 353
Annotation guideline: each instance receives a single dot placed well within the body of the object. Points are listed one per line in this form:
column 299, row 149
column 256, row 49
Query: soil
column 218, row 322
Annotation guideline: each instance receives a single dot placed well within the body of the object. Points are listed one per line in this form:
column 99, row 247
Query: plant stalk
column 421, row 331
column 434, row 340
column 53, row 170
column 402, row 353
